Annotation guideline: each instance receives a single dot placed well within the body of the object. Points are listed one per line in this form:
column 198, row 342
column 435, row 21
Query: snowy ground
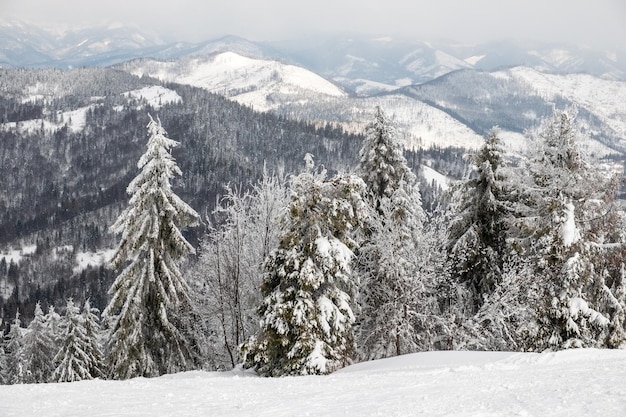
column 569, row 383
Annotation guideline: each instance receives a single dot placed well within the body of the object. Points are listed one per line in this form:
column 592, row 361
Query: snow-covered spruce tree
column 563, row 201
column 477, row 232
column 54, row 328
column 229, row 268
column 91, row 323
column 150, row 299
column 306, row 314
column 397, row 292
column 382, row 164
column 16, row 370
column 39, row 349
column 78, row 358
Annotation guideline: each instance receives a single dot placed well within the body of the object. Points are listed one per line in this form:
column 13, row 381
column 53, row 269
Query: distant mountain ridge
column 363, row 65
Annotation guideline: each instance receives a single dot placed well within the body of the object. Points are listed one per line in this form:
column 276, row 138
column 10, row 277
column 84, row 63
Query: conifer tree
column 560, row 231
column 382, row 164
column 306, row 314
column 91, row 323
column 477, row 231
column 75, row 361
column 54, row 328
column 150, row 298
column 397, row 289
column 16, row 371
column 39, row 349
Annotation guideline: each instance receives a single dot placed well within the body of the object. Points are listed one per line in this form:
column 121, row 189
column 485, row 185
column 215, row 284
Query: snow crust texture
column 578, row 382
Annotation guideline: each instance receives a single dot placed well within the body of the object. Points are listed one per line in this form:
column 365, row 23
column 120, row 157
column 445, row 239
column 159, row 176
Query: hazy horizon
column 602, row 25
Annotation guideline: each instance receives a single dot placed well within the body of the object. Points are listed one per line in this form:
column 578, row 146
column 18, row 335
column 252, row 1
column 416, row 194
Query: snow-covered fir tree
column 77, row 359
column 306, row 313
column 91, row 322
column 562, row 228
column 396, row 289
column 229, row 267
column 16, row 366
column 477, row 232
column 39, row 349
column 382, row 163
column 54, row 328
column 150, row 298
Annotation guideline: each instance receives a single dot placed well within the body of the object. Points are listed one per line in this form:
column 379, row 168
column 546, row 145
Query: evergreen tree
column 150, row 299
column 397, row 293
column 477, row 232
column 76, row 360
column 54, row 328
column 39, row 349
column 306, row 314
column 16, row 371
column 382, row 165
column 91, row 323
column 561, row 230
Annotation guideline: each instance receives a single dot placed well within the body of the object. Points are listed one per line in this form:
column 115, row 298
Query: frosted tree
column 16, row 371
column 91, row 323
column 76, row 360
column 397, row 296
column 560, row 228
column 230, row 264
column 507, row 320
column 306, row 313
column 150, row 299
column 39, row 349
column 382, row 164
column 397, row 291
column 477, row 233
column 54, row 328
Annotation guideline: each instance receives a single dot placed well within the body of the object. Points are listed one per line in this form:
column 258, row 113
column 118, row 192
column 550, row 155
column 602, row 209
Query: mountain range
column 361, row 64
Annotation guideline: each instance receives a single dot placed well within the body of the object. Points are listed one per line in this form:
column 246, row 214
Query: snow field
column 584, row 382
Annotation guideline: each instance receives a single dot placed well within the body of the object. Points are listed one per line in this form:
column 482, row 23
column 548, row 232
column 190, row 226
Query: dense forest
column 307, row 273
column 69, row 145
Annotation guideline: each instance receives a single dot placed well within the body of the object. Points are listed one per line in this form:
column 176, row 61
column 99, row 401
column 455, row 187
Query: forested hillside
column 69, row 145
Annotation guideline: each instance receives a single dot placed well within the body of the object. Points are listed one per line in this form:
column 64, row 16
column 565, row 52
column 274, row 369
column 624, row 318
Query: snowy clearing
column 434, row 177
column 570, row 383
column 156, row 96
column 16, row 255
column 93, row 259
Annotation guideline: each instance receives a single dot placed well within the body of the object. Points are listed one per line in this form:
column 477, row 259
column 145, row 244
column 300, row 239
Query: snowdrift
column 584, row 382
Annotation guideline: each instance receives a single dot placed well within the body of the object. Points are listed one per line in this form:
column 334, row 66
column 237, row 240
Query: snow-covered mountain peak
column 250, row 81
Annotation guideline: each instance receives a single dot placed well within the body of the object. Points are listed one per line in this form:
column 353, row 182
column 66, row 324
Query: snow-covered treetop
column 382, row 165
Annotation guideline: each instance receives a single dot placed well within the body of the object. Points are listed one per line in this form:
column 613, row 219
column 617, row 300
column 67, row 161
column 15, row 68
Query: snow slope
column 603, row 98
column 246, row 80
column 569, row 383
column 434, row 177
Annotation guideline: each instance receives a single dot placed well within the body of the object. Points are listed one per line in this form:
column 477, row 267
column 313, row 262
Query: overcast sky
column 591, row 22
